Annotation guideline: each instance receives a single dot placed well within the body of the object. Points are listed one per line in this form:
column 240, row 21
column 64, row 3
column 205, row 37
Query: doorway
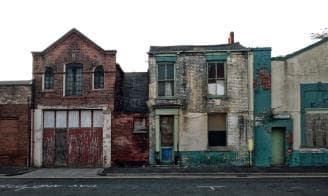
column 278, row 146
column 166, row 134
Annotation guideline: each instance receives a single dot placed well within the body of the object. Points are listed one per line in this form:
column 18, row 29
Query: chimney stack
column 231, row 38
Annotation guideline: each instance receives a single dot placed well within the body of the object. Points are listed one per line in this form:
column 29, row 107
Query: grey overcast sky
column 131, row 26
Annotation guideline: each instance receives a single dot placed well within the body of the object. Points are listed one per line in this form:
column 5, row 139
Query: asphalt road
column 167, row 187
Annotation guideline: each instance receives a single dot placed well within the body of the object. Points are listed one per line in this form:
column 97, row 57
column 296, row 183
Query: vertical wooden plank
column 61, row 147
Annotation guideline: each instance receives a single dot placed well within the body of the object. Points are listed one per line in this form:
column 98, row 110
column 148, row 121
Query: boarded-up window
column 98, row 118
column 316, row 129
column 86, row 118
column 73, row 119
column 49, row 119
column 140, row 125
column 217, row 134
column 61, row 119
column 216, row 78
column 165, row 79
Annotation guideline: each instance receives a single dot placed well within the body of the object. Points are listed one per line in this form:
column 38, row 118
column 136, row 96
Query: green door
column 278, row 146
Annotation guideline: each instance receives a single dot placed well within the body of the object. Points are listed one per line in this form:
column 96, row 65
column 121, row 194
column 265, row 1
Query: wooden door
column 278, row 146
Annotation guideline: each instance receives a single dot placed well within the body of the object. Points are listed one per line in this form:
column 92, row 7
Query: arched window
column 98, row 80
column 49, row 78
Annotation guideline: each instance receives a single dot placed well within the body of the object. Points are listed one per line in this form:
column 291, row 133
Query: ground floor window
column 217, row 133
column 316, row 129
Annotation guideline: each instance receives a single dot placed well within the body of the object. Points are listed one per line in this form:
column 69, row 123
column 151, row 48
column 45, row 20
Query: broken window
column 217, row 133
column 98, row 79
column 49, row 78
column 165, row 79
column 316, row 129
column 216, row 78
column 140, row 125
column 73, row 80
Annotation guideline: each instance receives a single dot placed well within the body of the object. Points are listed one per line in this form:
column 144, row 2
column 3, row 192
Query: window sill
column 48, row 90
column 217, row 97
column 73, row 97
column 166, row 98
column 219, row 148
column 137, row 132
column 98, row 89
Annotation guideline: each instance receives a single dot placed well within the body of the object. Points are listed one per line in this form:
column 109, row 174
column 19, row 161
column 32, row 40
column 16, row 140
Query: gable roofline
column 283, row 58
column 69, row 33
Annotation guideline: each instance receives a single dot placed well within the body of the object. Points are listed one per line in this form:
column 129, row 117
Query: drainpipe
column 250, row 140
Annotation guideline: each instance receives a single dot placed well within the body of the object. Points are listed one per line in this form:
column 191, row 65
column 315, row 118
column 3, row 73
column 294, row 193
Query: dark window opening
column 99, row 78
column 49, row 78
column 73, row 80
column 217, row 134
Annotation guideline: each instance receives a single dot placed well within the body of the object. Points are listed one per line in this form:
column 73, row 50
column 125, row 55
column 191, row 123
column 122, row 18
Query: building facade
column 201, row 104
column 300, row 97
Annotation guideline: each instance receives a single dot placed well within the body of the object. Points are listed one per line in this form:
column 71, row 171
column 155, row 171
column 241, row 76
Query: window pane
column 69, row 82
column 99, row 78
column 61, row 118
column 211, row 70
column 161, row 71
column 170, row 71
column 49, row 79
column 49, row 119
column 85, row 118
column 73, row 119
column 316, row 129
column 220, row 87
column 217, row 138
column 169, row 88
column 212, row 88
column 140, row 124
column 161, row 88
column 220, row 70
column 78, row 81
column 98, row 118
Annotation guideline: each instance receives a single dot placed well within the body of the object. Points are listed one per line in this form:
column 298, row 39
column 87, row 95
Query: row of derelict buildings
column 197, row 105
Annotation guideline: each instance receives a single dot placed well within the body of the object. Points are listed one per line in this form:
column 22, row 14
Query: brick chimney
column 231, row 38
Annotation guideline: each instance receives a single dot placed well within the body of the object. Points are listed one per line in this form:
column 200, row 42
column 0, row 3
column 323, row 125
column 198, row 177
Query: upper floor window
column 98, row 78
column 49, row 78
column 216, row 78
column 165, row 79
column 73, row 80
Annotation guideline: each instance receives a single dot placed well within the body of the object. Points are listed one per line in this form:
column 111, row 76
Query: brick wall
column 128, row 147
column 74, row 48
column 14, row 125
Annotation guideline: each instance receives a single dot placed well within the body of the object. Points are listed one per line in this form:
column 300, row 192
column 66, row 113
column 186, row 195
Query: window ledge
column 313, row 149
column 167, row 98
column 98, row 89
column 73, row 97
column 217, row 97
column 48, row 90
column 219, row 148
column 136, row 132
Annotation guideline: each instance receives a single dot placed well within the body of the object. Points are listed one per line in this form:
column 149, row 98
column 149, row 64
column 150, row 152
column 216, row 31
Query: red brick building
column 15, row 97
column 79, row 112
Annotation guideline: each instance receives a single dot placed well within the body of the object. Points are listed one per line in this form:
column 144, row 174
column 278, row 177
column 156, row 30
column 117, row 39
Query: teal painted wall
column 309, row 158
column 213, row 158
column 262, row 106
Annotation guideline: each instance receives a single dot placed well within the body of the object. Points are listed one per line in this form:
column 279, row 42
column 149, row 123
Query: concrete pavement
column 171, row 172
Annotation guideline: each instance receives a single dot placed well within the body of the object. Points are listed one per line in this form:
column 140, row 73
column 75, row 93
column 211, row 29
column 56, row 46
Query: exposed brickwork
column 128, row 147
column 14, row 125
column 74, row 48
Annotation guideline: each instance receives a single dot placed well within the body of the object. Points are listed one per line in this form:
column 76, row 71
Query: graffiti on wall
column 262, row 79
